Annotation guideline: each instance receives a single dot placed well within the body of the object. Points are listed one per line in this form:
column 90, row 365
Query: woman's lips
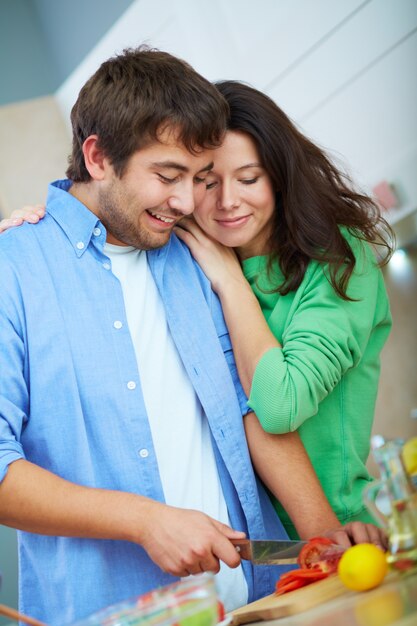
column 234, row 222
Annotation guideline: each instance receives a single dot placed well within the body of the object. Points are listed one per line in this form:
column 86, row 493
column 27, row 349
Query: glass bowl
column 189, row 602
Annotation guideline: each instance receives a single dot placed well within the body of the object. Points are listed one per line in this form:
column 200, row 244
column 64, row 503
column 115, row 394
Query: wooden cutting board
column 274, row 606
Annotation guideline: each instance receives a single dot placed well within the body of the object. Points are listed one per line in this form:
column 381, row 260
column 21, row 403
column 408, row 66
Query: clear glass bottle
column 401, row 520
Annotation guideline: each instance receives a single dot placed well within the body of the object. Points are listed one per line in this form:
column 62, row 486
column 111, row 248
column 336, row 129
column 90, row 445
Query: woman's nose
column 228, row 198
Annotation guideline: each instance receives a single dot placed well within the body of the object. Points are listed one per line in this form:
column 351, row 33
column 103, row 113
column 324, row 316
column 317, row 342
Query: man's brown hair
column 133, row 97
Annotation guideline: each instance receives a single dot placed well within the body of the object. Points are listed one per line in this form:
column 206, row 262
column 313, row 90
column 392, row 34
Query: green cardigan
column 324, row 380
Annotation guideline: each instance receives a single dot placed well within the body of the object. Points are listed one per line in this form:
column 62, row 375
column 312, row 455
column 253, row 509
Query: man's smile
column 162, row 218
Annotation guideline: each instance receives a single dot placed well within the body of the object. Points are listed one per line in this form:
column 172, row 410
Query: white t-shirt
column 180, row 431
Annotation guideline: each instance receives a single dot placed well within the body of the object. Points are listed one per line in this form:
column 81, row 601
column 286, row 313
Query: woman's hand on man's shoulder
column 29, row 213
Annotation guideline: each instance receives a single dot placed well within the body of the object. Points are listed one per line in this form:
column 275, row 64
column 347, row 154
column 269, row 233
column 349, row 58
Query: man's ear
column 95, row 161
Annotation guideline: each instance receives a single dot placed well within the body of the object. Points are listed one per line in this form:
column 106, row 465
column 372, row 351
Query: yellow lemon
column 362, row 567
column 409, row 453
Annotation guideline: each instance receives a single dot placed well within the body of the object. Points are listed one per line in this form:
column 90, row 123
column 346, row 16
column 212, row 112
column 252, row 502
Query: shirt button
column 80, row 245
column 117, row 324
column 106, row 266
column 144, row 453
column 96, row 232
column 131, row 384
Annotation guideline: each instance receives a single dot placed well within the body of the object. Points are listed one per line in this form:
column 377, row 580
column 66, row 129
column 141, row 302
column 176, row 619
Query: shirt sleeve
column 325, row 337
column 14, row 398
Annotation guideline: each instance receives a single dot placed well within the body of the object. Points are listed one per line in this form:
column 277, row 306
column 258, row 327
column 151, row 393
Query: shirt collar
column 77, row 222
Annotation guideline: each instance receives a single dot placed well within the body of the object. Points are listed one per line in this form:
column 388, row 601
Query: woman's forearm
column 281, row 461
column 285, row 468
column 248, row 329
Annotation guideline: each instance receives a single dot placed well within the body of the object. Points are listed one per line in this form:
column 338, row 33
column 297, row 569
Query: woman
column 307, row 316
column 285, row 242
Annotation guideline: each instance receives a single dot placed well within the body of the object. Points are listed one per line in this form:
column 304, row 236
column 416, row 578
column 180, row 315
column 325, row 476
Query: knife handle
column 244, row 548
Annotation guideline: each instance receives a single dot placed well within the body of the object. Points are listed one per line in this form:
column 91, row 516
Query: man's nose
column 183, row 201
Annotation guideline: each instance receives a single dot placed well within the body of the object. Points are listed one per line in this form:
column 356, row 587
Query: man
column 120, row 408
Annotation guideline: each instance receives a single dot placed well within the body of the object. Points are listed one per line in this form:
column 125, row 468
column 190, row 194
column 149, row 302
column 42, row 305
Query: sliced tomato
column 221, row 613
column 287, row 576
column 312, row 574
column 317, row 560
column 298, row 581
column 311, row 552
column 283, row 583
column 290, row 586
column 329, row 559
column 404, row 564
column 307, row 575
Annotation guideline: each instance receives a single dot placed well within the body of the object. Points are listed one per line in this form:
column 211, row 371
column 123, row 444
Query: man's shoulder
column 177, row 254
column 178, row 274
column 17, row 242
column 176, row 247
column 190, row 264
column 26, row 232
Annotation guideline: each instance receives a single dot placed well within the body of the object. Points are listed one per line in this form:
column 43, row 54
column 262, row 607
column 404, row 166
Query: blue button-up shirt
column 67, row 402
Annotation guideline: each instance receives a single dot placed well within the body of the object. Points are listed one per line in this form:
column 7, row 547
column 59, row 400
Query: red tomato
column 312, row 574
column 290, row 586
column 304, row 576
column 403, row 564
column 287, row 576
column 221, row 613
column 299, row 578
column 329, row 560
column 317, row 559
column 311, row 552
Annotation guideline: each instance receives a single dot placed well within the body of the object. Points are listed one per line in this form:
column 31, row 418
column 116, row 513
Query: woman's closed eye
column 198, row 180
column 249, row 181
column 211, row 181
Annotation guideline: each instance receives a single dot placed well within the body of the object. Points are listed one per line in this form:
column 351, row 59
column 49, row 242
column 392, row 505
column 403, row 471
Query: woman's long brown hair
column 313, row 198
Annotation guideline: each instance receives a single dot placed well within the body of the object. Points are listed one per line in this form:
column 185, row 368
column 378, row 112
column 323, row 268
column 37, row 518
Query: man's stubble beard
column 114, row 214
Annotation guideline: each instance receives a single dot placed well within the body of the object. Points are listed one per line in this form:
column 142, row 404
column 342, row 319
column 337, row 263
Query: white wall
column 34, row 145
column 345, row 71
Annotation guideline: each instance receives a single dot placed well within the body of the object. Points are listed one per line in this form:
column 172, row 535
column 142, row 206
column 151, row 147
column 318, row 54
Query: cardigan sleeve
column 324, row 338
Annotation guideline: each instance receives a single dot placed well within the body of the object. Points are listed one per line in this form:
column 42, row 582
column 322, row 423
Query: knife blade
column 268, row 552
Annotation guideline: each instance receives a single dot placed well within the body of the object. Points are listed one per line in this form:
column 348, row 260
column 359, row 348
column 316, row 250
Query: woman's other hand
column 358, row 532
column 29, row 213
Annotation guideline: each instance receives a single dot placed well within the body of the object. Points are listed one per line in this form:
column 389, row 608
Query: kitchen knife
column 268, row 552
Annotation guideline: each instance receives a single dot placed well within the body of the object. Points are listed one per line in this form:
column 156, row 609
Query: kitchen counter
column 392, row 603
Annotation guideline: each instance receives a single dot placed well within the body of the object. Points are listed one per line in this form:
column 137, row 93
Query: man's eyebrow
column 181, row 168
column 170, row 165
